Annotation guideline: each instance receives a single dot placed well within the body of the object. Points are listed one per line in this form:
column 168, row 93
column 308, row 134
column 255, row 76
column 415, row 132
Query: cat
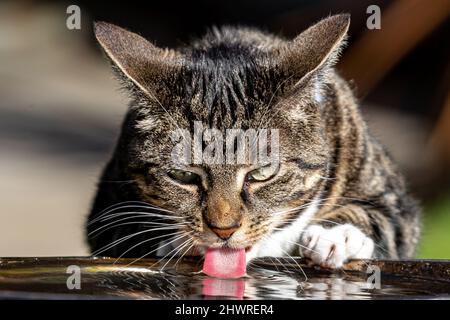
column 334, row 196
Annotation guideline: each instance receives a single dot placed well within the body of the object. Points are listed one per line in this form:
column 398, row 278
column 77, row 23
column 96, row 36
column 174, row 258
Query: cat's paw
column 331, row 248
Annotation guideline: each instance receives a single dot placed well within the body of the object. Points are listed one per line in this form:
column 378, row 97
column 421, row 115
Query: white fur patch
column 282, row 242
column 332, row 247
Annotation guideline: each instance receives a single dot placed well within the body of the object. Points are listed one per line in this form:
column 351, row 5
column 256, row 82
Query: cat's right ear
column 139, row 64
column 315, row 49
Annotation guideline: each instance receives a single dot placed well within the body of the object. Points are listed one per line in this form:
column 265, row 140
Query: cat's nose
column 225, row 233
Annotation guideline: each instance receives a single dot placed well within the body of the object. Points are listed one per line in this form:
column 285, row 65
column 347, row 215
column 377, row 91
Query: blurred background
column 60, row 108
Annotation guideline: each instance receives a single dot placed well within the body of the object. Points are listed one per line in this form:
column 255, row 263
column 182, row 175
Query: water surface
column 104, row 278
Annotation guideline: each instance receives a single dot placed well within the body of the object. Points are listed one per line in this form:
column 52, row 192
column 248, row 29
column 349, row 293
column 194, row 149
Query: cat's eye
column 262, row 174
column 186, row 177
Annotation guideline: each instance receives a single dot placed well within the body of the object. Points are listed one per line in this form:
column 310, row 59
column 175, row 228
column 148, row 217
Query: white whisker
column 180, row 247
column 166, row 244
column 145, row 241
column 132, row 217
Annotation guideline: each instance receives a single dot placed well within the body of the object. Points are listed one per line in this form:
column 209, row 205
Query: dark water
column 100, row 278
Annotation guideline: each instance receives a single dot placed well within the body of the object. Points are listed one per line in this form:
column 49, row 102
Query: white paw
column 332, row 247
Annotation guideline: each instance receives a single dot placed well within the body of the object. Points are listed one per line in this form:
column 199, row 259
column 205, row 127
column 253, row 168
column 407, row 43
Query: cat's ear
column 140, row 64
column 316, row 48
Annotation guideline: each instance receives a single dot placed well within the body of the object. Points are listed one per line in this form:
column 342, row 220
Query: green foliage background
column 435, row 242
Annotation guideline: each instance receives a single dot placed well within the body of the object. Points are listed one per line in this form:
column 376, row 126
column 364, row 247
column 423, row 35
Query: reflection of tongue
column 225, row 263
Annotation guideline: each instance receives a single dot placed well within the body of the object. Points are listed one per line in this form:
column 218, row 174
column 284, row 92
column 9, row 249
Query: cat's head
column 233, row 78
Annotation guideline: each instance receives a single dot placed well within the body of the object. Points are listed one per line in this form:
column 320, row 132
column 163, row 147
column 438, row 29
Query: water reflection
column 259, row 284
column 105, row 280
column 223, row 288
column 265, row 284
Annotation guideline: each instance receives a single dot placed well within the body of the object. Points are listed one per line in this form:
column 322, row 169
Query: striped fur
column 332, row 170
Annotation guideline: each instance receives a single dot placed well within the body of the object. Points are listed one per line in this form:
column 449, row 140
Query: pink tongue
column 225, row 263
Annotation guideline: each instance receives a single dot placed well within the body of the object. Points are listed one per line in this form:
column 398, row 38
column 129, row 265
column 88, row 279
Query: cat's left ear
column 138, row 63
column 315, row 49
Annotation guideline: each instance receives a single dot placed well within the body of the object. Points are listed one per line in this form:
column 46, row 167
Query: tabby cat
column 334, row 196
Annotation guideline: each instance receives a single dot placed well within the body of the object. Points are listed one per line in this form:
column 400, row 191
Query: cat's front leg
column 332, row 247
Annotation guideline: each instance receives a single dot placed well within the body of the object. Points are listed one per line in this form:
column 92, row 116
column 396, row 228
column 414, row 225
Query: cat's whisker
column 278, row 260
column 168, row 227
column 271, row 258
column 118, row 241
column 301, row 246
column 178, row 249
column 122, row 203
column 125, row 204
column 125, row 238
column 187, row 250
column 154, row 217
column 107, row 213
column 160, row 247
column 116, row 205
column 133, row 217
column 295, row 261
column 320, row 202
column 291, row 210
column 303, row 206
column 144, row 215
column 148, row 240
column 147, row 207
column 279, row 263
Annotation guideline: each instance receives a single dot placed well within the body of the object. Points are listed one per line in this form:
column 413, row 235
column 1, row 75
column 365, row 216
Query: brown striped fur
column 243, row 78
